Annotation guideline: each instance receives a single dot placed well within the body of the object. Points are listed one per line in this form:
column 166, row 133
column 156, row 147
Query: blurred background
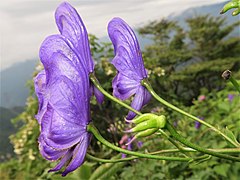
column 186, row 46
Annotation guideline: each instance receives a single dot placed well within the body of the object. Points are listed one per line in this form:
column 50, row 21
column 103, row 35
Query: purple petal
column 98, row 94
column 71, row 26
column 124, row 87
column 230, row 97
column 139, row 144
column 128, row 57
column 57, row 49
column 40, row 86
column 70, row 97
column 63, row 161
column 140, row 99
column 40, row 89
column 48, row 152
column 124, row 156
column 129, row 146
column 58, row 131
column 70, row 100
column 147, row 97
column 78, row 154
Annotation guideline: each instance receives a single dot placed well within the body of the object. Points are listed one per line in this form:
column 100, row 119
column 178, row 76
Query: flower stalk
column 91, row 128
column 184, row 141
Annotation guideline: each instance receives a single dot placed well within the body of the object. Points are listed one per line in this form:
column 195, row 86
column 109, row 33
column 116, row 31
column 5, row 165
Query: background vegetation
column 185, row 68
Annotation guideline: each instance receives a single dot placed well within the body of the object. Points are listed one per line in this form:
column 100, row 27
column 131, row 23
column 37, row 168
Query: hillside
column 13, row 83
column 7, row 128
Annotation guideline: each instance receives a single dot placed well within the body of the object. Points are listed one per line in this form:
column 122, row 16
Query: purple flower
column 129, row 63
column 139, row 144
column 198, row 124
column 125, row 139
column 63, row 90
column 230, row 97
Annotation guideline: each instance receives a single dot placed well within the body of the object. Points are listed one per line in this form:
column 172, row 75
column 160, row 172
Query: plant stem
column 96, row 83
column 225, row 150
column 91, row 128
column 235, row 83
column 109, row 160
column 183, row 140
column 154, row 94
column 173, row 142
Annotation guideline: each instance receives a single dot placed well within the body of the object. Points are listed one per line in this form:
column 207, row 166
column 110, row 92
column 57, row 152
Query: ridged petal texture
column 129, row 64
column 71, row 26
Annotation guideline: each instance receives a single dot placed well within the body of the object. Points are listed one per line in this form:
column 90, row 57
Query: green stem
column 96, row 83
column 173, row 142
column 109, row 160
column 91, row 128
column 181, row 139
column 154, row 94
column 235, row 83
column 225, row 150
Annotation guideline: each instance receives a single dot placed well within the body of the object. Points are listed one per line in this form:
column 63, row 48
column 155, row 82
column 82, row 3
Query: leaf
column 231, row 135
column 224, row 107
column 222, row 169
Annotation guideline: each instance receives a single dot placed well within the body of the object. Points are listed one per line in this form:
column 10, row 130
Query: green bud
column 230, row 5
column 143, row 118
column 236, row 12
column 146, row 133
column 156, row 122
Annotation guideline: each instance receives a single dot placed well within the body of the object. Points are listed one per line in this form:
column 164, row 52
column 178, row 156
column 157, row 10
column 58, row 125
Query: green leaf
column 222, row 169
column 231, row 135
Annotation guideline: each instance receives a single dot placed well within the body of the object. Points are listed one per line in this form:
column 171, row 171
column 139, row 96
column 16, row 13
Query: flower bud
column 143, row 118
column 144, row 133
column 230, row 5
column 155, row 122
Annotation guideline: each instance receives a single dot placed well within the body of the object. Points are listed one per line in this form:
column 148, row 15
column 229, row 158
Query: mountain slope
column 13, row 83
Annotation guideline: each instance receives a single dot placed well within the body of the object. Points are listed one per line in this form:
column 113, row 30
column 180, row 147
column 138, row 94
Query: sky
column 24, row 24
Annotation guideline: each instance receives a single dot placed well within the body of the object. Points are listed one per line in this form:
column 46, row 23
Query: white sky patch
column 24, row 24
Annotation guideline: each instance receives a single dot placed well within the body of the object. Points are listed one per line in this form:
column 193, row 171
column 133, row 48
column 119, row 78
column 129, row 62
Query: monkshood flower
column 129, row 64
column 198, row 124
column 63, row 91
column 230, row 97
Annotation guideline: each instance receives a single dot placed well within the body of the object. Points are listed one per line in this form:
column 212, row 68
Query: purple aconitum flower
column 139, row 144
column 64, row 90
column 230, row 97
column 129, row 64
column 198, row 124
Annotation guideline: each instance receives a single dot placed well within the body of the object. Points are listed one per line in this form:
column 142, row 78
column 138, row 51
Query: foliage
column 191, row 58
column 6, row 129
column 216, row 109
